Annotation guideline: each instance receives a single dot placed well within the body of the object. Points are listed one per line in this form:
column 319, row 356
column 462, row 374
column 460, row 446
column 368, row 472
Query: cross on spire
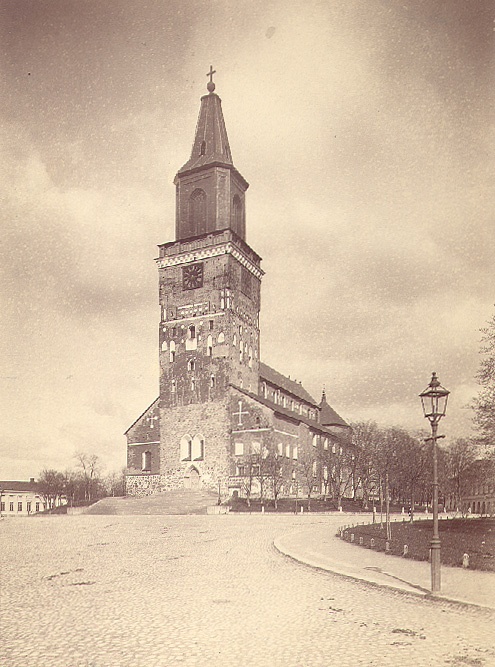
column 210, row 85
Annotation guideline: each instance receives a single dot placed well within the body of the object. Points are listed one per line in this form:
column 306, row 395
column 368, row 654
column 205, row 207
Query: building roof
column 10, row 485
column 211, row 144
column 290, row 414
column 290, row 386
column 152, row 405
column 328, row 416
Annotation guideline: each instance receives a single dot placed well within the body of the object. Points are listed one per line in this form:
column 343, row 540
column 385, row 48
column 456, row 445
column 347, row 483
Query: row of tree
column 81, row 486
column 402, row 462
column 376, row 466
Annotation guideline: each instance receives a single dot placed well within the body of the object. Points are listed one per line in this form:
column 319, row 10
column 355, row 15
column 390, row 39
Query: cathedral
column 221, row 411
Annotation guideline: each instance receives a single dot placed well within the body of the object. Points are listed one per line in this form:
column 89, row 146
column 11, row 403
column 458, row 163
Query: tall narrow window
column 173, row 386
column 212, row 381
column 191, row 340
column 221, row 337
column 164, row 346
column 237, row 216
column 172, row 351
column 209, row 346
column 198, row 448
column 197, row 212
column 185, row 448
column 191, row 365
column 250, row 362
column 146, row 460
column 202, row 150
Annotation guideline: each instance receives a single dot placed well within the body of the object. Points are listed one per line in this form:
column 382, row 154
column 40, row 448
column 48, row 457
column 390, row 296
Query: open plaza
column 144, row 591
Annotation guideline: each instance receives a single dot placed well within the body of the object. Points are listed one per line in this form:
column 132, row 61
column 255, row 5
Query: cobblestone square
column 145, row 591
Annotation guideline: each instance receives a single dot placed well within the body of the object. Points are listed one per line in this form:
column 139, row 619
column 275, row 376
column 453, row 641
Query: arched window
column 221, row 337
column 209, row 346
column 193, row 384
column 173, row 387
column 172, row 351
column 234, row 341
column 197, row 212
column 198, row 447
column 212, row 381
column 164, row 346
column 185, row 448
column 191, row 365
column 237, row 216
column 202, row 150
column 280, row 449
column 146, row 460
column 250, row 357
column 191, row 339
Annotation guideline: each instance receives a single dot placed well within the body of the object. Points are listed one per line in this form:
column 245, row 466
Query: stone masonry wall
column 207, row 419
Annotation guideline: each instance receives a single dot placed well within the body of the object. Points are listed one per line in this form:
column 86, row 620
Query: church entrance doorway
column 192, row 479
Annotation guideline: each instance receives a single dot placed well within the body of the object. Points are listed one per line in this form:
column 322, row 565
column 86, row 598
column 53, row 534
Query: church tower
column 209, row 291
column 219, row 407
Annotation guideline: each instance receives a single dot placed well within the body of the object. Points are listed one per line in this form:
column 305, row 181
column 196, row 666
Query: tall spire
column 211, row 144
column 210, row 190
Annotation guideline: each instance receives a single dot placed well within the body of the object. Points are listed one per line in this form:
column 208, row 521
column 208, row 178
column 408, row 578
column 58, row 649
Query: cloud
column 363, row 130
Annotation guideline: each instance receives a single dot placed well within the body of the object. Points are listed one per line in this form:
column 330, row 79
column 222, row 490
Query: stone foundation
column 142, row 485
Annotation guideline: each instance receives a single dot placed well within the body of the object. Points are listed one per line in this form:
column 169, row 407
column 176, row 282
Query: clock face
column 192, row 276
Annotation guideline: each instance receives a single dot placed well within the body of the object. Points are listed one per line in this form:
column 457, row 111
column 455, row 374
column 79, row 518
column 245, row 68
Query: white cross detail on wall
column 151, row 420
column 239, row 414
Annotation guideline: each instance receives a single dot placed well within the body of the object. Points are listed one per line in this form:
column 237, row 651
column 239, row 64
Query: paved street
column 116, row 591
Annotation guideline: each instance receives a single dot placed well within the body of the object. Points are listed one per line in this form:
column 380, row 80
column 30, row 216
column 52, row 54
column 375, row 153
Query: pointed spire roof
column 328, row 416
column 211, row 144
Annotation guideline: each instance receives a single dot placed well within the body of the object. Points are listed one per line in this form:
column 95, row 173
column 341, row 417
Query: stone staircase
column 184, row 501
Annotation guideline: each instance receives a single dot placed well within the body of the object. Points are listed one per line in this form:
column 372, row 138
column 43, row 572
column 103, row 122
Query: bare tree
column 278, row 470
column 341, row 466
column 366, row 441
column 89, row 464
column 308, row 468
column 114, row 483
column 51, row 485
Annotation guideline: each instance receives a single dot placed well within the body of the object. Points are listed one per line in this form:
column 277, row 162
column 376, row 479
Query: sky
column 365, row 130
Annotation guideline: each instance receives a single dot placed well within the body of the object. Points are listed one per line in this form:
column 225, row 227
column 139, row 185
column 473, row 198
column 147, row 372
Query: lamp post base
column 435, row 565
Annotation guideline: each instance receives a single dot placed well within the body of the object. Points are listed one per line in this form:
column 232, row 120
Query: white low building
column 20, row 498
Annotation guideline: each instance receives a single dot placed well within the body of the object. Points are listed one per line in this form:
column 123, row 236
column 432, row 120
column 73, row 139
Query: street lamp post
column 434, row 400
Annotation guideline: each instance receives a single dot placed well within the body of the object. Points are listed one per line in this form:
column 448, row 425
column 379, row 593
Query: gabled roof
column 289, row 414
column 17, row 486
column 328, row 416
column 290, row 386
column 152, row 405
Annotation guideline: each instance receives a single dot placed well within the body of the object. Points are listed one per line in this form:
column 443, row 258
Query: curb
column 335, row 569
